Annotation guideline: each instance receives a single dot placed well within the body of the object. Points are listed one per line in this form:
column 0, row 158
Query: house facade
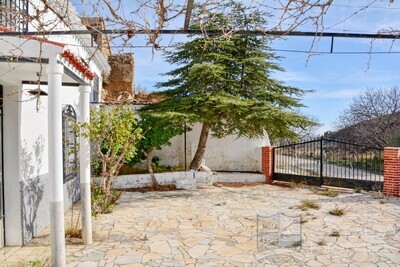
column 43, row 81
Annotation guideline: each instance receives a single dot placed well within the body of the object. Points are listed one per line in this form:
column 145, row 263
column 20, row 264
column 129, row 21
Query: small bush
column 358, row 189
column 73, row 233
column 321, row 243
column 309, row 204
column 337, row 211
column 36, row 263
column 103, row 204
column 335, row 233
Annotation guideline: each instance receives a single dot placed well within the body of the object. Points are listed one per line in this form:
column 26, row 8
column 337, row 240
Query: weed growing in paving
column 294, row 185
column 303, row 220
column 73, row 232
column 337, row 211
column 329, row 192
column 335, row 233
column 309, row 204
column 358, row 189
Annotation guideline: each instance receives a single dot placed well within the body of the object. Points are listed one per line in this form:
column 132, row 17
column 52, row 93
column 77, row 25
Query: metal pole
column 84, row 153
column 200, row 32
column 321, row 158
column 185, row 146
column 56, row 198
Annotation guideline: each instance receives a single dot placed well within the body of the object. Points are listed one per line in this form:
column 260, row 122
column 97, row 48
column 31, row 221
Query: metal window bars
column 14, row 15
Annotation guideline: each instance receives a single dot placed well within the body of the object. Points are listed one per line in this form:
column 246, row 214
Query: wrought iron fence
column 14, row 14
column 70, row 144
column 330, row 162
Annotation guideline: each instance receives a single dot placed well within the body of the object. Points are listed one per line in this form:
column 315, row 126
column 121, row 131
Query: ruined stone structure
column 120, row 84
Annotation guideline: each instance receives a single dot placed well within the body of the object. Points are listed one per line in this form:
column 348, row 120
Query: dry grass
column 335, row 233
column 329, row 193
column 337, row 211
column 309, row 204
column 73, row 233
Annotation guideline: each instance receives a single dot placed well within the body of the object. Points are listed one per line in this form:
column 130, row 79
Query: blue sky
column 335, row 78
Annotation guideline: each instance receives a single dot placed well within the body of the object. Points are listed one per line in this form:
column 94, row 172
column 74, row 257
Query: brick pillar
column 391, row 171
column 267, row 162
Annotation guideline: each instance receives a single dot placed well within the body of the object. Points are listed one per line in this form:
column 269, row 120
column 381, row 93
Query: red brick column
column 391, row 171
column 267, row 158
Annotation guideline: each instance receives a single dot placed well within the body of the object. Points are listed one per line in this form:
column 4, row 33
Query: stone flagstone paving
column 216, row 226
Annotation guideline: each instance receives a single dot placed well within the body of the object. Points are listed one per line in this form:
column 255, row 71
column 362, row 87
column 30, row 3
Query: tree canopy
column 225, row 83
column 373, row 118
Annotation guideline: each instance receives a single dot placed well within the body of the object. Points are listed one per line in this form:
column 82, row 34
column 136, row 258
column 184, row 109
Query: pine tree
column 224, row 82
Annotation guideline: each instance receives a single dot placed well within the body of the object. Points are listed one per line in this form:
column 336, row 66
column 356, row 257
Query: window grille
column 14, row 14
column 70, row 157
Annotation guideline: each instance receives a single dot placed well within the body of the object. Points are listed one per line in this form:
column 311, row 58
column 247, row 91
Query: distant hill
column 380, row 131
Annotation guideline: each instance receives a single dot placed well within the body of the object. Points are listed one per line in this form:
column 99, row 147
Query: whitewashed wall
column 34, row 162
column 26, row 159
column 222, row 154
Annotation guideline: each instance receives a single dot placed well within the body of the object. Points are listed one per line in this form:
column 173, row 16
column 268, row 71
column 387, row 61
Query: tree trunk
column 154, row 182
column 201, row 148
column 103, row 177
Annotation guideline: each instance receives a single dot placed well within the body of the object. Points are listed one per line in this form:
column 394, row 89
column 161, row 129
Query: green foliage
column 224, row 81
column 36, row 263
column 156, row 161
column 102, row 203
column 358, row 189
column 114, row 134
column 157, row 132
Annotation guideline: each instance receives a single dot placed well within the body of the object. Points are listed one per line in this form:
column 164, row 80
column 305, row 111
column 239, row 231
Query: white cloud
column 334, row 94
column 292, row 76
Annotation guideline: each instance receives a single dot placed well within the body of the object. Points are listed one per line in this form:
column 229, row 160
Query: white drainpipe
column 56, row 198
column 84, row 150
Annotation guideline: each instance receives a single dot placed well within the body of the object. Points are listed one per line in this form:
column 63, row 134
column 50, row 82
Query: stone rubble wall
column 120, row 83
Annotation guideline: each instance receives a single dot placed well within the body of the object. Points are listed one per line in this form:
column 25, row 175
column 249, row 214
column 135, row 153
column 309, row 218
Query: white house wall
column 224, row 154
column 11, row 168
column 34, row 162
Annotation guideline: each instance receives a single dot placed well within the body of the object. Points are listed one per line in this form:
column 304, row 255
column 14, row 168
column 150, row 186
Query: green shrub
column 102, row 203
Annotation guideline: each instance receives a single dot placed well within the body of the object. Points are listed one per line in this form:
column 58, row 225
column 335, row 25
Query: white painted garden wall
column 184, row 180
column 227, row 154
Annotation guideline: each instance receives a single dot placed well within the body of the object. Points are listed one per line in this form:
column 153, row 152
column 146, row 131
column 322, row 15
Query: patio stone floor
column 216, row 226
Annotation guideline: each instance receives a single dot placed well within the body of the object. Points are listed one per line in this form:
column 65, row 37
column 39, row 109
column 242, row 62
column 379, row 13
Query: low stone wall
column 238, row 177
column 185, row 180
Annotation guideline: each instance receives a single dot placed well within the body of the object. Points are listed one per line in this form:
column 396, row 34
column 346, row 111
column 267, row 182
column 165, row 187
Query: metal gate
column 329, row 162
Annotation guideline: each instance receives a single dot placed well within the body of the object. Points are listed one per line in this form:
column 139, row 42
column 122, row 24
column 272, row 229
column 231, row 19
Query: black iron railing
column 70, row 144
column 14, row 15
column 329, row 162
